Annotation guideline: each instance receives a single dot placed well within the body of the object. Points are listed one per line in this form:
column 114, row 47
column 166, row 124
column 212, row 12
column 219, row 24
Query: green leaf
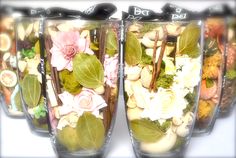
column 133, row 50
column 94, row 46
column 188, row 42
column 209, row 83
column 165, row 81
column 231, row 74
column 164, row 126
column 147, row 27
column 69, row 82
column 210, row 47
column 68, row 137
column 179, row 143
column 111, row 43
column 31, row 90
column 146, row 59
column 18, row 102
column 88, row 70
column 29, row 53
column 91, row 131
column 145, row 130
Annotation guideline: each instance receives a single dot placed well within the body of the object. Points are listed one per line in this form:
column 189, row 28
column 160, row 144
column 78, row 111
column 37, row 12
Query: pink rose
column 86, row 100
column 65, row 46
column 111, row 70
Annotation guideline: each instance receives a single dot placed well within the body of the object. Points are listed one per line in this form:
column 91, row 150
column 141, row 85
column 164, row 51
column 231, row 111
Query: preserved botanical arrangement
column 212, row 74
column 229, row 90
column 82, row 85
column 162, row 76
column 9, row 86
column 30, row 78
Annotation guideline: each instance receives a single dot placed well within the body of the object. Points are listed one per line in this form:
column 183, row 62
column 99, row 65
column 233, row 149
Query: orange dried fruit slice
column 5, row 42
column 8, row 78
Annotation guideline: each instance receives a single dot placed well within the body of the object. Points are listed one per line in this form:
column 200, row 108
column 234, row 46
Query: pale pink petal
column 58, row 61
column 89, row 51
column 66, row 98
column 69, row 66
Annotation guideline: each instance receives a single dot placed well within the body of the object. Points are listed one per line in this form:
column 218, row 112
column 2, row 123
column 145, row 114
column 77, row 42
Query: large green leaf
column 31, row 90
column 91, row 131
column 145, row 130
column 88, row 70
column 69, row 82
column 111, row 43
column 68, row 137
column 133, row 50
column 188, row 42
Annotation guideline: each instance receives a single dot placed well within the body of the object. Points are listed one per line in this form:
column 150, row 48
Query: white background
column 16, row 139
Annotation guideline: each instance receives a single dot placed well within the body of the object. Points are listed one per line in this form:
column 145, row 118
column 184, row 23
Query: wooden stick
column 158, row 64
column 106, row 96
column 48, row 45
column 154, row 62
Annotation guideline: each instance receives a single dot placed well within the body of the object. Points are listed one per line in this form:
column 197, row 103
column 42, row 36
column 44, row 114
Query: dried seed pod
column 131, row 103
column 146, row 77
column 177, row 121
column 134, row 113
column 161, row 146
column 133, row 73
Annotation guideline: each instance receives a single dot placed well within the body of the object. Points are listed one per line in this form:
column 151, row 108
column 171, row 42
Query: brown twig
column 106, row 96
column 154, row 62
column 158, row 64
column 55, row 80
column 106, row 111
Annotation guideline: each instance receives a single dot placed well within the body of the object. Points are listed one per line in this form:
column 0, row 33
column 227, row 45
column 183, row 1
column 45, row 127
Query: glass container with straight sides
column 212, row 74
column 82, row 61
column 29, row 73
column 9, row 87
column 229, row 89
column 162, row 69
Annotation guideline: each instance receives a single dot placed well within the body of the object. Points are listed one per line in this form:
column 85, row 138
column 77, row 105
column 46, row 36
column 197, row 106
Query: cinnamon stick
column 158, row 64
column 106, row 96
column 48, row 45
column 106, row 111
column 154, row 62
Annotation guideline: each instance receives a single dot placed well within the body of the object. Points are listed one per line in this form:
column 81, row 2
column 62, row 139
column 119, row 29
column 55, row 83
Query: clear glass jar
column 162, row 69
column 82, row 61
column 9, row 87
column 212, row 75
column 229, row 89
column 29, row 73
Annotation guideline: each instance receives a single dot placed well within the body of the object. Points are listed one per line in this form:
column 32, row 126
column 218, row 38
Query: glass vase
column 162, row 74
column 9, row 86
column 229, row 89
column 29, row 73
column 82, row 61
column 212, row 75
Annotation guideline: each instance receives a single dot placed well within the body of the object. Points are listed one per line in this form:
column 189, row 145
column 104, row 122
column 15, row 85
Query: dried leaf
column 91, row 131
column 111, row 43
column 145, row 130
column 133, row 50
column 31, row 90
column 88, row 70
column 188, row 42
